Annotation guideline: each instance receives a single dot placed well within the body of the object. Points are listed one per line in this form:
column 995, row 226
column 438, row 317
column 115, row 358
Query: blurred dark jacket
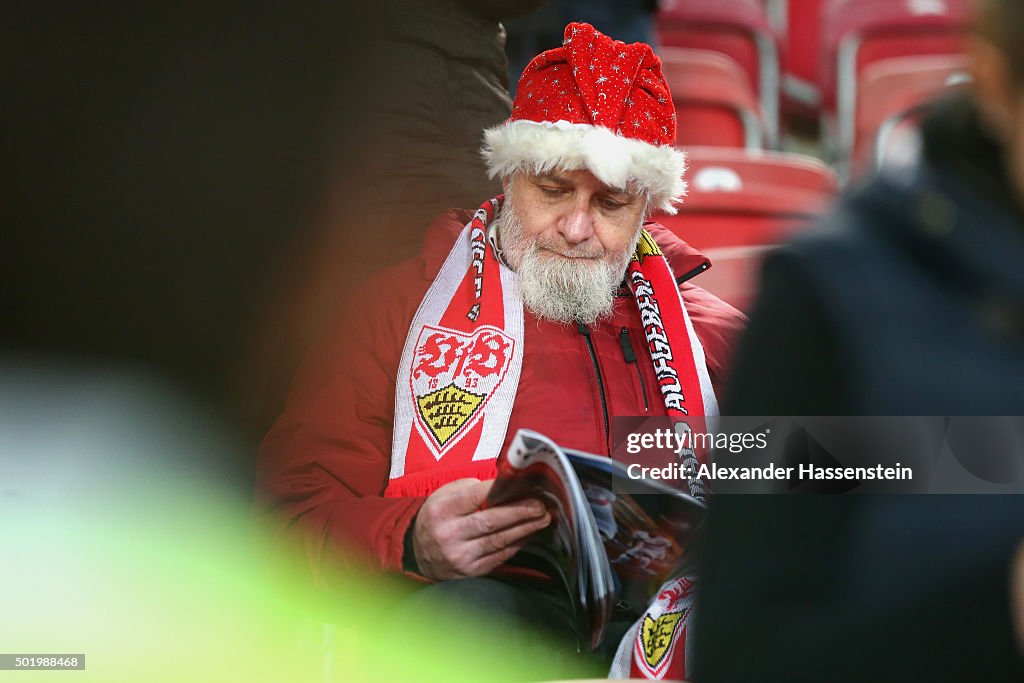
column 909, row 302
column 421, row 81
column 438, row 78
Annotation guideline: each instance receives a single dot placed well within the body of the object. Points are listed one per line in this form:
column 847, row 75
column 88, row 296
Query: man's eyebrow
column 630, row 194
column 551, row 178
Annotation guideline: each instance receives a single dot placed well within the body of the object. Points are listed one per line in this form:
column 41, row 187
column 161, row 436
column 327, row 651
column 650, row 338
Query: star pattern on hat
column 593, row 103
column 593, row 79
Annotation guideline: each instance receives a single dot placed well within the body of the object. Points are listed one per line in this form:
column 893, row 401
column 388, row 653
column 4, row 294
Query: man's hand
column 453, row 538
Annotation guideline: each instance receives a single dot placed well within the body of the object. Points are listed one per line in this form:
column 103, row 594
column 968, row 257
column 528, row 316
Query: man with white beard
column 567, row 276
column 553, row 308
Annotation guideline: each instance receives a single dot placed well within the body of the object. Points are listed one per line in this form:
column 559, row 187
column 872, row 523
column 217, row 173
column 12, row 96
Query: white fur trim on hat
column 539, row 147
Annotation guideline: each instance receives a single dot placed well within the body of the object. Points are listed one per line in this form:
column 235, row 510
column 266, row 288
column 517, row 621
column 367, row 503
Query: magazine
column 612, row 538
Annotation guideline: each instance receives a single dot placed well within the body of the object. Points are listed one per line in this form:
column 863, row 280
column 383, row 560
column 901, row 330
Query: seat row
column 740, row 203
column 862, row 65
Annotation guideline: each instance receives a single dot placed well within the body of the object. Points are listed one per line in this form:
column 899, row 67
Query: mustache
column 579, row 251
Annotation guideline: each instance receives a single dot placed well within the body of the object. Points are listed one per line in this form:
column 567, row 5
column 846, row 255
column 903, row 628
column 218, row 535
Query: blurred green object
column 176, row 593
column 119, row 541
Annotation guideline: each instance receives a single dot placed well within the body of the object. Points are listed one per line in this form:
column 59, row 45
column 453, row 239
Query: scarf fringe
column 425, row 483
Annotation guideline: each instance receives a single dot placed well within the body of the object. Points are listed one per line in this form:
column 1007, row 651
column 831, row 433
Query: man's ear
column 993, row 87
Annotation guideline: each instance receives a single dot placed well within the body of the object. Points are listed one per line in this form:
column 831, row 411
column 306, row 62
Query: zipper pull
column 627, row 347
column 629, row 354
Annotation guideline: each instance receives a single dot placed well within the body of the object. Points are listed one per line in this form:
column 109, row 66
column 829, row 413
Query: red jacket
column 325, row 463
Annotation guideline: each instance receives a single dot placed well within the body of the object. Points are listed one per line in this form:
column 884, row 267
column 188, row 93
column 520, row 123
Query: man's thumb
column 469, row 494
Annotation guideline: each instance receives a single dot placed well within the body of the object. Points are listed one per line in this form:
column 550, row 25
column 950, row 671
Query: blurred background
column 187, row 190
column 194, row 189
column 781, row 103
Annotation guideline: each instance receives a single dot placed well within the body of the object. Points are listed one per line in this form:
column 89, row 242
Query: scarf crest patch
column 454, row 374
column 659, row 645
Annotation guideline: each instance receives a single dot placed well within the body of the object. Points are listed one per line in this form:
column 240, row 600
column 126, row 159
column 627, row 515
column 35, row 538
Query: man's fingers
column 496, row 542
column 470, row 555
column 492, row 520
column 488, row 563
column 452, row 534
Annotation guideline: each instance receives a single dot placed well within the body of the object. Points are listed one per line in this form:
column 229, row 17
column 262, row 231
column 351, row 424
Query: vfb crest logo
column 453, row 376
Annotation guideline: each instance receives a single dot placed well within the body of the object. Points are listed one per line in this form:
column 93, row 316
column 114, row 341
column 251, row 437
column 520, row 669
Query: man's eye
column 612, row 204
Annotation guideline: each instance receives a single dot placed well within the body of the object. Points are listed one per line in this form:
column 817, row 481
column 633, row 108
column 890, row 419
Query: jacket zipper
column 692, row 273
column 630, row 357
column 585, row 332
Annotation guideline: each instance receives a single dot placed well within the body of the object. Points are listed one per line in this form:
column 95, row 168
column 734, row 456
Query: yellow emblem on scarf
column 445, row 411
column 646, row 247
column 657, row 636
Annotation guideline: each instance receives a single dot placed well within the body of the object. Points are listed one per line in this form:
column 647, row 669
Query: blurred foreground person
column 909, row 302
column 536, row 312
column 437, row 80
column 126, row 545
column 421, row 80
column 154, row 160
column 1018, row 596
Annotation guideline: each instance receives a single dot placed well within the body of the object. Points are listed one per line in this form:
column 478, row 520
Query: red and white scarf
column 659, row 645
column 463, row 356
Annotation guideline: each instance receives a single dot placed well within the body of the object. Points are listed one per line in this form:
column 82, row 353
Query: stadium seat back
column 858, row 33
column 739, row 29
column 715, row 103
column 736, row 244
column 798, row 24
column 890, row 92
column 760, row 169
column 740, row 204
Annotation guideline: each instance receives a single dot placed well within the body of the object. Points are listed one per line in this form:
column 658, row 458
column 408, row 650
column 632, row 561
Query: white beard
column 567, row 290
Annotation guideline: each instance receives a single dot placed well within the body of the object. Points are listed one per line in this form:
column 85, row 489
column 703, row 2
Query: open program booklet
column 603, row 544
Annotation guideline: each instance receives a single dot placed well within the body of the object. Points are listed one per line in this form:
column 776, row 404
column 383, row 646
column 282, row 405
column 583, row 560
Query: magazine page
column 535, row 466
column 645, row 531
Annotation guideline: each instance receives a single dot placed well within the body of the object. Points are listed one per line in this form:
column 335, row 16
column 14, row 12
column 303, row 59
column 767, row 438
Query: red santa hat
column 598, row 104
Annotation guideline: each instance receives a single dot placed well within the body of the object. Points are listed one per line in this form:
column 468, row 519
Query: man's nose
column 578, row 225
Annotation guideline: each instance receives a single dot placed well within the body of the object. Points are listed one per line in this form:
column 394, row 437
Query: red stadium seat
column 715, row 104
column 737, row 28
column 764, row 168
column 798, row 26
column 891, row 92
column 860, row 32
column 776, row 11
column 802, row 49
column 742, row 203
